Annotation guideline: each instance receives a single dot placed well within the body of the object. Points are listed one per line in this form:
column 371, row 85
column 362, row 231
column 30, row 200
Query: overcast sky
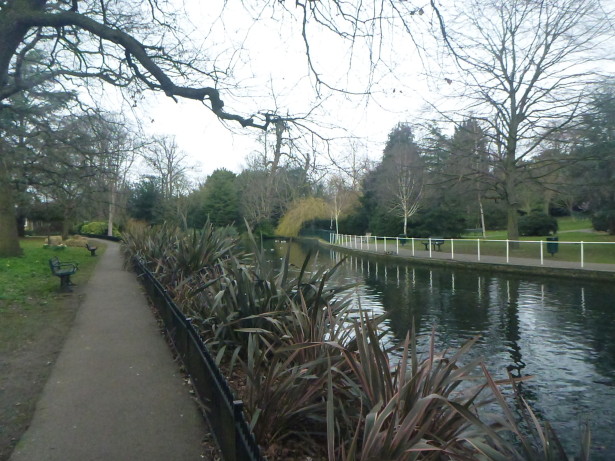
column 268, row 60
column 265, row 55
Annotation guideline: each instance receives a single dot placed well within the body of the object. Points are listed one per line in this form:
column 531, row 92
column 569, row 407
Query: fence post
column 237, row 415
column 582, row 255
column 375, row 244
column 430, row 247
column 412, row 246
column 541, row 253
column 478, row 248
column 397, row 245
column 452, row 249
column 385, row 245
column 507, row 251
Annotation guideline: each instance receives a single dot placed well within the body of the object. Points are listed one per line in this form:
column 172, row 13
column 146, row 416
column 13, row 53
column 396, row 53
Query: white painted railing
column 461, row 249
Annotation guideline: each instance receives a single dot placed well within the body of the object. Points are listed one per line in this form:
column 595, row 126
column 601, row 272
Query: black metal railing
column 223, row 413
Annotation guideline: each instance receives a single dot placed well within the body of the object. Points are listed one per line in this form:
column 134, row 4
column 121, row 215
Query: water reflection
column 558, row 330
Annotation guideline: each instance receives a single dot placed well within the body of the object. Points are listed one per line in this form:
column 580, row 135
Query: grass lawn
column 34, row 320
column 26, row 282
column 573, row 230
column 568, row 223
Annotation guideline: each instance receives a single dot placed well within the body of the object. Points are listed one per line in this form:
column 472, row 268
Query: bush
column 444, row 221
column 97, row 228
column 307, row 360
column 538, row 224
column 604, row 220
column 264, row 229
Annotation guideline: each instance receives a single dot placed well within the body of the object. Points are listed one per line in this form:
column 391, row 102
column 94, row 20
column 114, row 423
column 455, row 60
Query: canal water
column 560, row 331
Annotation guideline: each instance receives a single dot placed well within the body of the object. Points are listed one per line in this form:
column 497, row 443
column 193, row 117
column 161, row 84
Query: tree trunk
column 66, row 226
column 69, row 218
column 405, row 225
column 9, row 239
column 21, row 225
column 111, row 210
column 482, row 216
column 512, row 201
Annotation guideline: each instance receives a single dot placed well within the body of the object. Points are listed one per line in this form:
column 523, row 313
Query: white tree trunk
column 111, row 209
column 482, row 216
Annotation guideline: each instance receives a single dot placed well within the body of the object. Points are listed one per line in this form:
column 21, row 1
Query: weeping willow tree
column 301, row 211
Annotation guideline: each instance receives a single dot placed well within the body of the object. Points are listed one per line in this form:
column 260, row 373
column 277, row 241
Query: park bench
column 63, row 270
column 436, row 243
column 91, row 249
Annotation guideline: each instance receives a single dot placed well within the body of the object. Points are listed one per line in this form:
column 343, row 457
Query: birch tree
column 401, row 175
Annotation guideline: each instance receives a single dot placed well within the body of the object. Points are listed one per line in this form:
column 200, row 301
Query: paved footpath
column 115, row 392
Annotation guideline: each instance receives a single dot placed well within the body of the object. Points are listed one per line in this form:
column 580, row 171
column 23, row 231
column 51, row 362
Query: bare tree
column 350, row 165
column 64, row 163
column 118, row 147
column 139, row 45
column 343, row 198
column 526, row 66
column 406, row 187
column 168, row 164
column 256, row 205
column 279, row 173
column 401, row 175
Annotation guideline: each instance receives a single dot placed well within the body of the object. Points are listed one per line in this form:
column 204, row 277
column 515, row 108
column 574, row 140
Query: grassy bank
column 573, row 230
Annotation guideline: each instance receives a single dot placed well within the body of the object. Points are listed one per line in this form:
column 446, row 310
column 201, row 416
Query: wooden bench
column 436, row 243
column 91, row 249
column 64, row 271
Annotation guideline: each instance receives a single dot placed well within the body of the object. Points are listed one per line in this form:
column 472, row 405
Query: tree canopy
column 141, row 45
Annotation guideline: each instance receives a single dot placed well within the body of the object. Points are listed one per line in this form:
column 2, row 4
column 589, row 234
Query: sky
column 263, row 52
column 267, row 57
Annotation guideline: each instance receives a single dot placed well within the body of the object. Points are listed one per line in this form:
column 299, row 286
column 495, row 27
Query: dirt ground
column 27, row 359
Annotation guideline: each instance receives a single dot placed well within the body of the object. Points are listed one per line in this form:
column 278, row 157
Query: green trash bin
column 552, row 245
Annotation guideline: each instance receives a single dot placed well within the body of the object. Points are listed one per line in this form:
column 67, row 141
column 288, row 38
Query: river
column 560, row 331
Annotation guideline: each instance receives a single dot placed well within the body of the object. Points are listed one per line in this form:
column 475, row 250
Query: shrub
column 443, row 221
column 314, row 372
column 265, row 229
column 538, row 224
column 76, row 241
column 604, row 220
column 97, row 228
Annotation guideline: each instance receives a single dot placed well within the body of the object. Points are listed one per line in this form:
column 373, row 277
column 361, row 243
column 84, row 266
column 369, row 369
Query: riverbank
column 555, row 329
column 550, row 267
